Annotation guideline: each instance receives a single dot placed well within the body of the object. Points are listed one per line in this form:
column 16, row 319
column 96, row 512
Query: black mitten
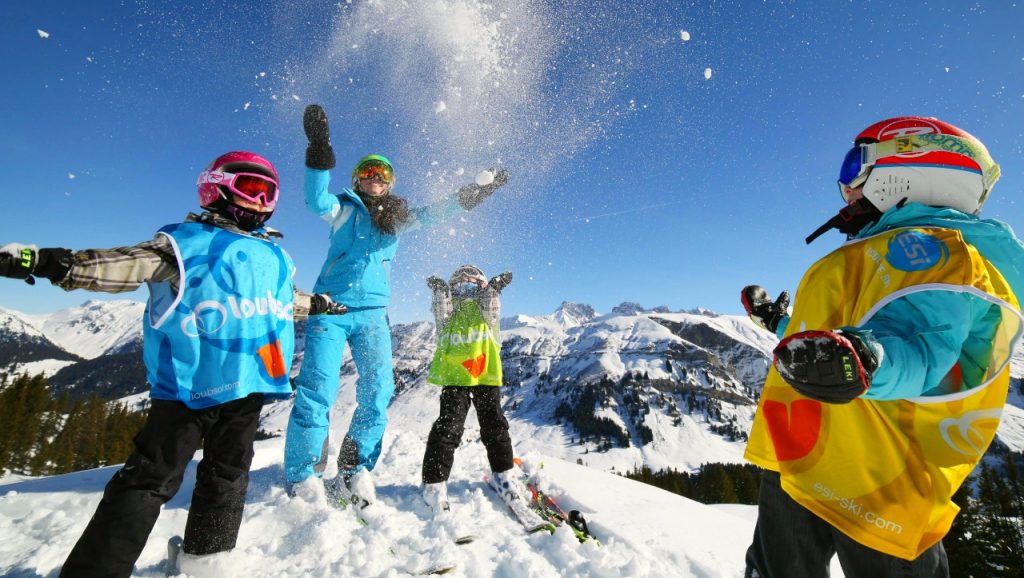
column 321, row 304
column 471, row 195
column 499, row 282
column 319, row 153
column 761, row 309
column 829, row 366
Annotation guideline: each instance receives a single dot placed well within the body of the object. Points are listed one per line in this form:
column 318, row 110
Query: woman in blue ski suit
column 366, row 221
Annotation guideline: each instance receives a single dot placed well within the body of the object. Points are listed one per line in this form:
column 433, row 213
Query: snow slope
column 93, row 328
column 644, row 531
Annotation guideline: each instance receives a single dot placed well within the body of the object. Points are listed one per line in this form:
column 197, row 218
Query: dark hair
column 387, row 211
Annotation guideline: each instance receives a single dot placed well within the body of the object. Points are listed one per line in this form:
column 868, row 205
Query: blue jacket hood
column 993, row 238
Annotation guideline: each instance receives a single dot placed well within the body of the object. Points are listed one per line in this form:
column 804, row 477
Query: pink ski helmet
column 240, row 176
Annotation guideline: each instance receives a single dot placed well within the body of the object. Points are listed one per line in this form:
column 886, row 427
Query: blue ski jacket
column 922, row 335
column 357, row 271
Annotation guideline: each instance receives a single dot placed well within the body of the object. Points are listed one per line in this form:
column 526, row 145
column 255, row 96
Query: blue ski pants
column 368, row 334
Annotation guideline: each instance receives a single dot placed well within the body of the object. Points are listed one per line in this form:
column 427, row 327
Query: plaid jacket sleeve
column 122, row 268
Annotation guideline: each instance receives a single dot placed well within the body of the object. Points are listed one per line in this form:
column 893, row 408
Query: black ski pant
column 131, row 503
column 790, row 541
column 446, row 433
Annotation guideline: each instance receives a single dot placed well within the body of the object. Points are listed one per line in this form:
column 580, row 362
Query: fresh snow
column 644, row 531
column 47, row 367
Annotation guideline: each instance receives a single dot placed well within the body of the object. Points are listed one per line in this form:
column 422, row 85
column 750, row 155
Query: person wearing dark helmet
column 218, row 340
column 365, row 221
column 893, row 366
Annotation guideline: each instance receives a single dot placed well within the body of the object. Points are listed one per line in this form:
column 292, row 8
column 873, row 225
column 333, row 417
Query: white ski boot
column 216, row 565
column 357, row 489
column 436, row 497
column 518, row 497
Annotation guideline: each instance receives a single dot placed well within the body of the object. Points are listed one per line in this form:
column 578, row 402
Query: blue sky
column 634, row 176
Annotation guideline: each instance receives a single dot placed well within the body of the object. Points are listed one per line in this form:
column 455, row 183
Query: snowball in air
column 439, row 106
column 684, row 35
column 707, row 74
column 42, row 33
column 485, row 178
column 71, row 176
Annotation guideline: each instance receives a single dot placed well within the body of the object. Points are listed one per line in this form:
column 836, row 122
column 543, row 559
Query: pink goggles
column 251, row 187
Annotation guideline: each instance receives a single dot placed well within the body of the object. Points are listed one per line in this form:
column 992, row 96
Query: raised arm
column 319, row 160
column 440, row 302
column 466, row 199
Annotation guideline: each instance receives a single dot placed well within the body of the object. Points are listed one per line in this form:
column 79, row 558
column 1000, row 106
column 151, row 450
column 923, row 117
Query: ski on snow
column 551, row 511
column 529, row 525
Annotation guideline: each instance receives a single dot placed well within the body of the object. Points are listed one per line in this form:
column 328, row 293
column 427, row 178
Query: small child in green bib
column 467, row 364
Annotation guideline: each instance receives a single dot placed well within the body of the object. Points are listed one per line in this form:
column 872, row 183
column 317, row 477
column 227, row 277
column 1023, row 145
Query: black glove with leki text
column 321, row 304
column 499, row 282
column 827, row 366
column 761, row 309
column 319, row 153
column 19, row 261
column 471, row 195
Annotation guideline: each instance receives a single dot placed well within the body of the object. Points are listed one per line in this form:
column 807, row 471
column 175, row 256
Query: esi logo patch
column 916, row 251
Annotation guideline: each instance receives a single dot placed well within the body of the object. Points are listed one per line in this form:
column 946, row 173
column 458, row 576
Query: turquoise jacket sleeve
column 922, row 336
column 318, row 200
column 780, row 329
column 432, row 215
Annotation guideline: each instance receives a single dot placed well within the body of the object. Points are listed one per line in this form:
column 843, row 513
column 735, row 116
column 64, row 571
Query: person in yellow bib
column 467, row 365
column 893, row 367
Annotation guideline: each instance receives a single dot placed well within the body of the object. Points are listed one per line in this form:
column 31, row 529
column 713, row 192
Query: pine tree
column 963, row 548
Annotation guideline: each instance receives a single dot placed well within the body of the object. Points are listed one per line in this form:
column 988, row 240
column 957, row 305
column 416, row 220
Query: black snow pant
column 446, row 433
column 131, row 503
column 790, row 541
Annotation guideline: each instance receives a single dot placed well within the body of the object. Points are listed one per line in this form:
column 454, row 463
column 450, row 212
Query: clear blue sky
column 634, row 177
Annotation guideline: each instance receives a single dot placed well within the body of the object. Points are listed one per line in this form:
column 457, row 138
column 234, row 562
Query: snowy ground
column 644, row 531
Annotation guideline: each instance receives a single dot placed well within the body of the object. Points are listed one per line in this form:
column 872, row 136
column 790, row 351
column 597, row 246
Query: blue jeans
column 791, row 542
column 369, row 335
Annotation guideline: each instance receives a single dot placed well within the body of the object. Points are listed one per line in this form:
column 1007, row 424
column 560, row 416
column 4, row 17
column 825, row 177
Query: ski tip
column 465, row 540
column 547, row 526
column 438, row 569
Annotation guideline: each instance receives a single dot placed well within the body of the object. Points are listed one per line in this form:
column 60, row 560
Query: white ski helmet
column 919, row 159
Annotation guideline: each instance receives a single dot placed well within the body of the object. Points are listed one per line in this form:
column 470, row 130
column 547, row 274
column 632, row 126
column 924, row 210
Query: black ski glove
column 321, row 304
column 436, row 283
column 499, row 282
column 319, row 153
column 473, row 194
column 23, row 261
column 760, row 307
column 828, row 366
column 19, row 262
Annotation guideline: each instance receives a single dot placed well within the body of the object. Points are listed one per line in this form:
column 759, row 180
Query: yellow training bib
column 884, row 472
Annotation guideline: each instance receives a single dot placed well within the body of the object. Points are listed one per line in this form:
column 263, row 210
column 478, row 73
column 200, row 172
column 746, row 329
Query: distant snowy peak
column 571, row 314
column 15, row 325
column 631, row 308
column 627, row 308
column 95, row 327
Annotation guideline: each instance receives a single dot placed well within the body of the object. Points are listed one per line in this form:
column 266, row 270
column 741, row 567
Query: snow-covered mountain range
column 672, row 389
